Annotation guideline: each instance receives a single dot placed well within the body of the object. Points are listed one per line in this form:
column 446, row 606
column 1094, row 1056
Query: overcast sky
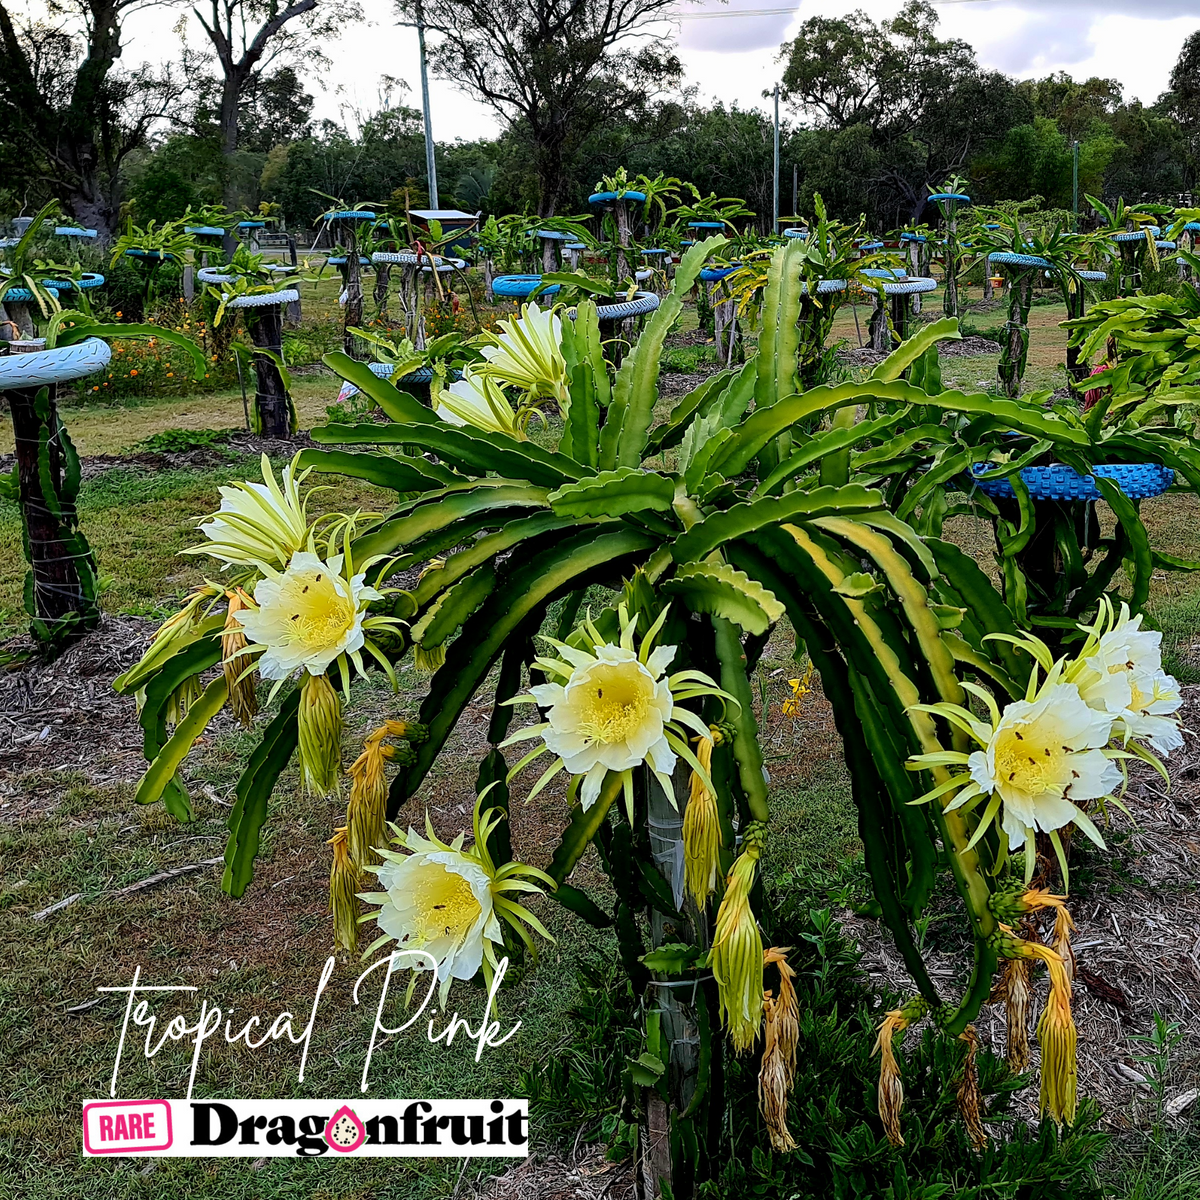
column 732, row 58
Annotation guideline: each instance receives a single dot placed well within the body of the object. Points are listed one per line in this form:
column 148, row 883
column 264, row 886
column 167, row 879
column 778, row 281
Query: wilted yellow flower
column 243, row 698
column 702, row 827
column 781, row 1034
column 736, row 957
column 970, row 1099
column 367, row 811
column 891, row 1084
column 1016, row 1014
column 343, row 894
column 800, row 688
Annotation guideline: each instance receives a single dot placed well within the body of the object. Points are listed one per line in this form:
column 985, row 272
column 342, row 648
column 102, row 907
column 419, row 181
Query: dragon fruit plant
column 623, row 573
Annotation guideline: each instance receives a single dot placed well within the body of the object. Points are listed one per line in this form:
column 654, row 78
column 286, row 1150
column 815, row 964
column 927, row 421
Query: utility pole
column 1075, row 182
column 775, row 222
column 430, row 165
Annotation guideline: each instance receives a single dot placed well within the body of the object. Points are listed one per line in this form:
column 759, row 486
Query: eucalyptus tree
column 247, row 54
column 71, row 113
column 557, row 69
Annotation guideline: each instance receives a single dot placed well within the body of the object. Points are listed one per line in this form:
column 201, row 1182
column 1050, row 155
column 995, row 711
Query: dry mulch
column 65, row 714
column 1136, row 942
column 968, row 347
column 579, row 1176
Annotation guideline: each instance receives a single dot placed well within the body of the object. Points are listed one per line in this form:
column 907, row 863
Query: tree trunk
column 60, row 590
column 272, row 404
column 676, row 1006
column 621, row 212
column 354, row 292
column 880, row 336
column 383, row 278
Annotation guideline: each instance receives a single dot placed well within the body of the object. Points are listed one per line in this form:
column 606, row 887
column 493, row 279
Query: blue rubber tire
column 1138, row 481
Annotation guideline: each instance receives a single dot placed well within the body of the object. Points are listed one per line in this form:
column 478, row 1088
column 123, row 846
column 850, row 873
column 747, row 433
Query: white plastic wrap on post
column 54, row 366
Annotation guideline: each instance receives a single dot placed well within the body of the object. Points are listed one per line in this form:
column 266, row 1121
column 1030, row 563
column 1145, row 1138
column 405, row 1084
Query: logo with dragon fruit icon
column 345, row 1132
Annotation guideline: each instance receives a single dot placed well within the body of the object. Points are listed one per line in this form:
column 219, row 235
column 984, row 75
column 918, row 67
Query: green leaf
column 254, row 790
column 581, row 905
column 481, row 549
column 1139, row 543
column 673, row 958
column 471, row 451
column 705, row 536
column 399, row 472
column 765, row 424
column 908, row 352
column 587, row 373
column 492, row 498
column 647, row 1069
column 723, row 591
column 779, row 338
column 527, row 585
column 81, row 332
column 455, row 606
column 613, row 494
column 582, row 827
column 696, row 403
column 163, row 768
column 626, row 432
column 398, row 405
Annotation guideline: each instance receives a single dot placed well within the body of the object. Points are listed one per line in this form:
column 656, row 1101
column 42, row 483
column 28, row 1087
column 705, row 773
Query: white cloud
column 732, row 58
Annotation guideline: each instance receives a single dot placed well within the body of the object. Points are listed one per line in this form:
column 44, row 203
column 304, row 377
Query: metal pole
column 1075, row 182
column 775, row 221
column 430, row 167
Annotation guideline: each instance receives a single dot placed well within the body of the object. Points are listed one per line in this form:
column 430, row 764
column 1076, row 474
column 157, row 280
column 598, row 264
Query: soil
column 194, row 458
column 968, row 347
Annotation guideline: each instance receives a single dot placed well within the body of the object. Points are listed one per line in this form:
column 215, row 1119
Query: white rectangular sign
column 307, row 1128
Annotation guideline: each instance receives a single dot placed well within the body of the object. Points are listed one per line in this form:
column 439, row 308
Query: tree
column 246, row 55
column 74, row 117
column 557, row 69
column 1182, row 99
column 925, row 105
column 1075, row 108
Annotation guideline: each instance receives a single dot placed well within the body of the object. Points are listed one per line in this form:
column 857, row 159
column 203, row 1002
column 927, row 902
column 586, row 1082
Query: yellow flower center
column 1139, row 702
column 445, row 903
column 614, row 703
column 1027, row 760
column 319, row 616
